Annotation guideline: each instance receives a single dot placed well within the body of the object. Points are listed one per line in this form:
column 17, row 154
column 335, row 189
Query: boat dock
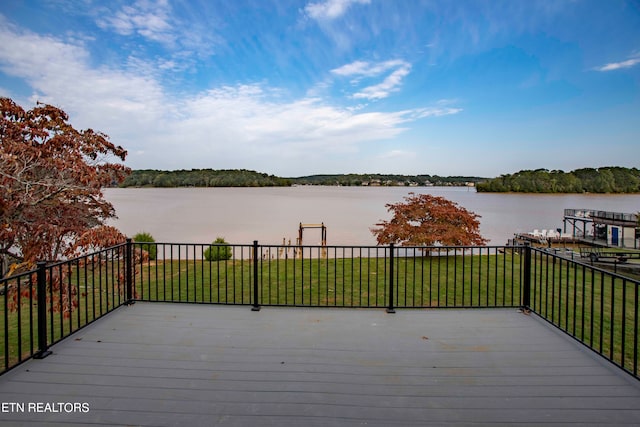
column 589, row 227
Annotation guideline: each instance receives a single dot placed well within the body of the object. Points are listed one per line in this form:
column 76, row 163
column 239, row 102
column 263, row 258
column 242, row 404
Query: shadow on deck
column 155, row 364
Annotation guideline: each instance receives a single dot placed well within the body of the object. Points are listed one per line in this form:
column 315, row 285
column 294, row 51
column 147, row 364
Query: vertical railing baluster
column 636, row 332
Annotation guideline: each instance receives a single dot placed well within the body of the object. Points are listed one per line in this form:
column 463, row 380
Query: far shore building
column 615, row 229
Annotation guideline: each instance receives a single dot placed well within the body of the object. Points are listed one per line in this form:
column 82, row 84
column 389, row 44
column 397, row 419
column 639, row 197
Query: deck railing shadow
column 596, row 307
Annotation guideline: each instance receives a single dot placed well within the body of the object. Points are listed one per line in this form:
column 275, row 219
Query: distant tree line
column 247, row 178
column 587, row 180
column 203, row 178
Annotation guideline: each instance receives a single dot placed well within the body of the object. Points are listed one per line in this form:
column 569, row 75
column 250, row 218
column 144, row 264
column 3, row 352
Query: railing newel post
column 526, row 285
column 41, row 277
column 129, row 271
column 256, row 305
column 390, row 307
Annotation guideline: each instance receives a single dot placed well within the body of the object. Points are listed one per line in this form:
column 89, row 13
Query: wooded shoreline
column 605, row 180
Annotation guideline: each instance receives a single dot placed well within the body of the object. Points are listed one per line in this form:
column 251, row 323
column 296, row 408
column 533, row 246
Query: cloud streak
column 150, row 20
column 330, row 9
column 619, row 65
column 359, row 70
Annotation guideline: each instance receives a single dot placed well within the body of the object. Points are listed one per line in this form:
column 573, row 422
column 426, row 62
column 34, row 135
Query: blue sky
column 295, row 88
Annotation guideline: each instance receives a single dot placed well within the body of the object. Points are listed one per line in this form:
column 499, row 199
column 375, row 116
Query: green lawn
column 438, row 281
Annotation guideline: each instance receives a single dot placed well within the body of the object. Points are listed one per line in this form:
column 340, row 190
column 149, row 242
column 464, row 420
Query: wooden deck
column 156, row 364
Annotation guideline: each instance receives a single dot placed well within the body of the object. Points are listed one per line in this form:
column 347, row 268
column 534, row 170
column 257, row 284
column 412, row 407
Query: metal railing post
column 526, row 284
column 256, row 306
column 41, row 276
column 129, row 271
column 390, row 308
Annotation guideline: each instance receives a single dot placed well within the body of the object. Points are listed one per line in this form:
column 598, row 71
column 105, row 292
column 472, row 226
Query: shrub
column 218, row 251
column 152, row 250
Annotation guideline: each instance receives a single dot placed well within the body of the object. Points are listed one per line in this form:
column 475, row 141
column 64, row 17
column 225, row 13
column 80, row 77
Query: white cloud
column 362, row 69
column 155, row 21
column 382, row 90
column 330, row 9
column 397, row 154
column 59, row 74
column 618, row 65
column 422, row 113
column 150, row 19
column 231, row 126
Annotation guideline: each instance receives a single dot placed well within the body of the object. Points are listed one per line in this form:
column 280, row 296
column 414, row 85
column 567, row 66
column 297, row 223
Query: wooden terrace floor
column 154, row 364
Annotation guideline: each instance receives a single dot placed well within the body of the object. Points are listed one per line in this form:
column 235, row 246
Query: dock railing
column 596, row 307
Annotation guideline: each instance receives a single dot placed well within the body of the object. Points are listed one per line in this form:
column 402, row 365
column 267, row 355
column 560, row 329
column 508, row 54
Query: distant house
column 615, row 229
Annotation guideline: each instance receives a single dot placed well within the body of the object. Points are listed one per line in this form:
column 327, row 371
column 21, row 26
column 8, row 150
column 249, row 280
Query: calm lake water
column 242, row 215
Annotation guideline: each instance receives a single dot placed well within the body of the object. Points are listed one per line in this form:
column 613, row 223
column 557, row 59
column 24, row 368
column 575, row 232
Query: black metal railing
column 45, row 305
column 596, row 307
column 332, row 276
column 593, row 213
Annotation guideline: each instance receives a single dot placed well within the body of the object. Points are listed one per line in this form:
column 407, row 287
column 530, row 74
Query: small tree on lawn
column 150, row 248
column 426, row 220
column 218, row 251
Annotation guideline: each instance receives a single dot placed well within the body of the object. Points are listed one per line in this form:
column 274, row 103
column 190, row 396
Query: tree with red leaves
column 426, row 220
column 51, row 180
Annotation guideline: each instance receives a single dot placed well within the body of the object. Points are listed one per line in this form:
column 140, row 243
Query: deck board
column 157, row 364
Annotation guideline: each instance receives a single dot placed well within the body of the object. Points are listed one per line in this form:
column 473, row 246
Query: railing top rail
column 18, row 276
column 596, row 213
column 85, row 256
column 245, row 245
column 292, row 245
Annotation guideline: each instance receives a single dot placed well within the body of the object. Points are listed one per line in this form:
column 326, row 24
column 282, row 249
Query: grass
column 449, row 280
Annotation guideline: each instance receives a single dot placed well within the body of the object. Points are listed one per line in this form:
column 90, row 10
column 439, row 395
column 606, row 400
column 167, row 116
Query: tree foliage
column 427, row 220
column 586, row 180
column 218, row 251
column 150, row 248
column 247, row 178
column 61, row 294
column 202, row 178
column 51, row 176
